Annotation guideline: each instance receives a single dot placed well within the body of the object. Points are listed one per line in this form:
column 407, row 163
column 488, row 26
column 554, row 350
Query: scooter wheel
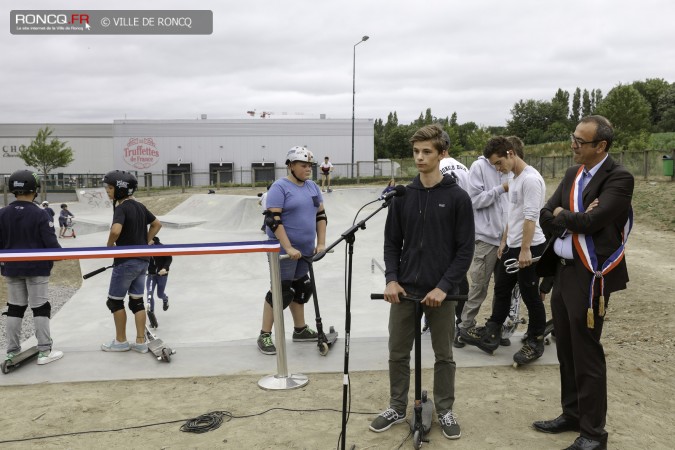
column 516, row 365
column 166, row 355
column 4, row 367
column 323, row 349
column 417, row 439
column 152, row 319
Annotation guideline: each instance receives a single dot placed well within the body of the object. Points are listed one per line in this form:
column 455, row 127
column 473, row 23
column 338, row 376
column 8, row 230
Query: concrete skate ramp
column 216, row 303
column 214, row 211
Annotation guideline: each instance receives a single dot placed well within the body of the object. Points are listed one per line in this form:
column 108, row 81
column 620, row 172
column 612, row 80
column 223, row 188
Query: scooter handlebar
column 95, row 272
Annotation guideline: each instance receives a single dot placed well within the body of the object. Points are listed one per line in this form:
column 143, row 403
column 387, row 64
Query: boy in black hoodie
column 428, row 248
column 24, row 225
column 158, row 276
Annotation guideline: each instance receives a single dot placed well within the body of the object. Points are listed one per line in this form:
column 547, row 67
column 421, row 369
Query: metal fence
column 646, row 164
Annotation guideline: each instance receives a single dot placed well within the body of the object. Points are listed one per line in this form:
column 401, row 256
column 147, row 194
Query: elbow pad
column 321, row 215
column 272, row 219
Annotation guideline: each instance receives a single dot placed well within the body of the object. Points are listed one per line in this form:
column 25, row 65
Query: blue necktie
column 585, row 178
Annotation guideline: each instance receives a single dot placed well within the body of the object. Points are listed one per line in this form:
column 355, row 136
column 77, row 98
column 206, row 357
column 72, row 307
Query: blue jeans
column 128, row 276
column 156, row 281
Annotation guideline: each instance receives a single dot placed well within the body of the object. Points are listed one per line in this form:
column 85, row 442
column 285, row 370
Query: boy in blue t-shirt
column 295, row 216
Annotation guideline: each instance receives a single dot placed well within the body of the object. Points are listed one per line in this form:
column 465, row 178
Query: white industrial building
column 205, row 151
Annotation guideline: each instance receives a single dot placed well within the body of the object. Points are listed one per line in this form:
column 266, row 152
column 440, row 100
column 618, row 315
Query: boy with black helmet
column 24, row 225
column 296, row 217
column 129, row 227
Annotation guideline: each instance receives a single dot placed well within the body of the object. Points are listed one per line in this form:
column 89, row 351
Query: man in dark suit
column 589, row 216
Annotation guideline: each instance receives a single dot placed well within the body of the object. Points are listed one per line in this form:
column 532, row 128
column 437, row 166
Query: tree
column 576, row 106
column 598, row 99
column 453, row 119
column 477, row 140
column 652, row 89
column 666, row 110
column 586, row 107
column 380, row 148
column 398, row 141
column 529, row 120
column 560, row 106
column 46, row 156
column 628, row 111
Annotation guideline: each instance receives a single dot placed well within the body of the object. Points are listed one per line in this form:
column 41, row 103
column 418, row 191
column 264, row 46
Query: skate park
column 216, row 300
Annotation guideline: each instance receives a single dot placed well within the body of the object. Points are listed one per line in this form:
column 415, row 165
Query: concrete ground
column 216, row 301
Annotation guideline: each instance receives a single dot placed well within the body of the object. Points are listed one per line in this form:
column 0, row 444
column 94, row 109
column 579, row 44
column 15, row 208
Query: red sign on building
column 141, row 153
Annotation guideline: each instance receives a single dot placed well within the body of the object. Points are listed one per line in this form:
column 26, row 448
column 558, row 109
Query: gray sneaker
column 449, row 425
column 265, row 344
column 306, row 335
column 385, row 420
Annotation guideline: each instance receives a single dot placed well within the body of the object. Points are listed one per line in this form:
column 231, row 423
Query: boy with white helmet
column 295, row 215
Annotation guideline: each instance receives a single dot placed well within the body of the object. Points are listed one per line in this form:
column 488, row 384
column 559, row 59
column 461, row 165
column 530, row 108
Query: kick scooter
column 324, row 341
column 151, row 304
column 513, row 319
column 157, row 346
column 11, row 364
column 424, row 406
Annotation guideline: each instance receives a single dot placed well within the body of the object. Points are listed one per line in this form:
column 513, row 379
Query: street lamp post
column 363, row 39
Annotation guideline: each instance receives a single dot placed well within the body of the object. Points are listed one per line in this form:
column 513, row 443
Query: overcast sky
column 474, row 57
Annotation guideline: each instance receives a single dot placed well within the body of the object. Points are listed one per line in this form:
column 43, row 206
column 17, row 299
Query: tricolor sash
column 586, row 250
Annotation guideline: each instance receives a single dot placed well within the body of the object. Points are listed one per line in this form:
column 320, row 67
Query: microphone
column 399, row 191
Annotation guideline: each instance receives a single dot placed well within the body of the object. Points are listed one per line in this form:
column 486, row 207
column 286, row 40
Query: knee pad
column 303, row 290
column 114, row 305
column 136, row 304
column 287, row 294
column 43, row 311
column 16, row 310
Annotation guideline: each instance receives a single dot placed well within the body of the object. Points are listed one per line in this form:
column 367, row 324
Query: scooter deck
column 9, row 365
column 158, row 348
column 331, row 337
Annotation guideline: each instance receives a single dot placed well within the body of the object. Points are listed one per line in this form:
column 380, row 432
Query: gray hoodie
column 490, row 204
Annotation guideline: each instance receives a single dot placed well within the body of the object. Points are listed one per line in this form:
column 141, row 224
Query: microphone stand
column 349, row 236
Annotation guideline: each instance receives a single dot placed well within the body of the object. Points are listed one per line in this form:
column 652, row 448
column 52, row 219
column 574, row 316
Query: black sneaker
column 306, row 335
column 385, row 420
column 457, row 342
column 449, row 425
column 471, row 335
column 165, row 304
column 265, row 344
column 532, row 350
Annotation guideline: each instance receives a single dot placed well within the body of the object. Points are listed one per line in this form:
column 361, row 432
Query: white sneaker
column 115, row 346
column 46, row 358
column 140, row 348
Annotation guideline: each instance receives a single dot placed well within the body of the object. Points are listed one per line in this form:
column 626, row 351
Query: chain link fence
column 648, row 164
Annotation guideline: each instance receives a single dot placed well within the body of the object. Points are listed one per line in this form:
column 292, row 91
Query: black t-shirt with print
column 134, row 218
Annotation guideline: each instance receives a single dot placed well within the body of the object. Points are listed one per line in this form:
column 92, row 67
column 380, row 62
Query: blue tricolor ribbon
column 586, row 250
column 132, row 251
